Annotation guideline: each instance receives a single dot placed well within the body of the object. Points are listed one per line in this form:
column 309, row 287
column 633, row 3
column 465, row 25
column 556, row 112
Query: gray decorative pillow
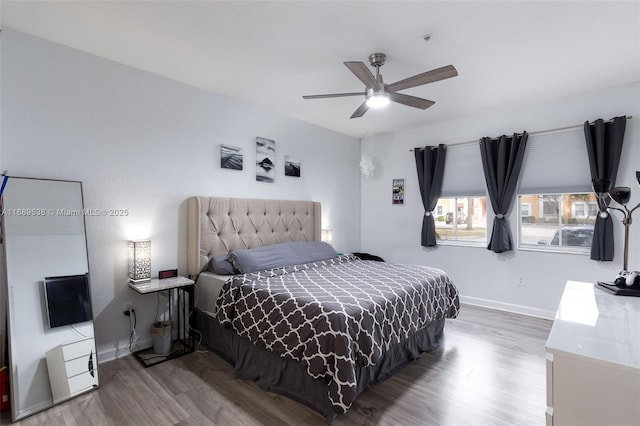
column 312, row 252
column 221, row 265
column 278, row 255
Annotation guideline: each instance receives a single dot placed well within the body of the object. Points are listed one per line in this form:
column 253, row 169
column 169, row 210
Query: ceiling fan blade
column 360, row 111
column 411, row 101
column 364, row 75
column 424, row 78
column 333, row 95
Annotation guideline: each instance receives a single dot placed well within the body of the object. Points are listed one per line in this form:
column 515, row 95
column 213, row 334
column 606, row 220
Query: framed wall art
column 291, row 166
column 231, row 157
column 397, row 191
column 265, row 160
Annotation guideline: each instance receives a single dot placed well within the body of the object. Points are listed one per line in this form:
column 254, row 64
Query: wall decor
column 291, row 166
column 367, row 165
column 231, row 157
column 265, row 160
column 398, row 191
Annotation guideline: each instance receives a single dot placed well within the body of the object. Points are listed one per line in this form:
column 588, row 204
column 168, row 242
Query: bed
column 317, row 327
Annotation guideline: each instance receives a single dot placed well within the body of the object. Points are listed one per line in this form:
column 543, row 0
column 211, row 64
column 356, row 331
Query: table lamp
column 139, row 261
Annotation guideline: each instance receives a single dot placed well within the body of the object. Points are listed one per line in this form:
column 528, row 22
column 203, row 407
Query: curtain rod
column 629, row 117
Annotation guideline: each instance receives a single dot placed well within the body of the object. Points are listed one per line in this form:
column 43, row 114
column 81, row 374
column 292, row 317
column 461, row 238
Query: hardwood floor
column 489, row 370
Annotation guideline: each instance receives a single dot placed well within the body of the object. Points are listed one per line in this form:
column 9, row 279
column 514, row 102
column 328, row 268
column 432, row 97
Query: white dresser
column 72, row 369
column 593, row 359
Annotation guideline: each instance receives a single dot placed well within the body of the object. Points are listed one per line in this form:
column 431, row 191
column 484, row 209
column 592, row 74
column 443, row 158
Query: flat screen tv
column 68, row 299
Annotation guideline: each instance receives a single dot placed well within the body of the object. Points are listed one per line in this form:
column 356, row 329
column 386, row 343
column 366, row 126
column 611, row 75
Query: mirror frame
column 49, row 220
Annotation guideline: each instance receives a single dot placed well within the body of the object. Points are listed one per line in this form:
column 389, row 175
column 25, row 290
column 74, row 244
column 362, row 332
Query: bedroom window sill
column 566, row 250
column 454, row 243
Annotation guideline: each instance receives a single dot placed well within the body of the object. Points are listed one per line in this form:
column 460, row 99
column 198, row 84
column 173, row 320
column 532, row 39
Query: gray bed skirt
column 289, row 377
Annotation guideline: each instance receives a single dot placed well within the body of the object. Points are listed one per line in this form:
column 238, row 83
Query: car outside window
column 556, row 222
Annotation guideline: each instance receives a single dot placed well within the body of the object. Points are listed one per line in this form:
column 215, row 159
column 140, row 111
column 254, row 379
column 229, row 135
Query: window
column 550, row 206
column 464, row 220
column 563, row 222
column 579, row 209
column 462, row 208
column 556, row 208
column 525, row 211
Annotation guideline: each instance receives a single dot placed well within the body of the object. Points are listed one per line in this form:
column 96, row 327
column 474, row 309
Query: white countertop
column 159, row 285
column 595, row 324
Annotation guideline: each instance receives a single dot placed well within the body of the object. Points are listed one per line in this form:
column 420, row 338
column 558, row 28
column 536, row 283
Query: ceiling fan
column 378, row 94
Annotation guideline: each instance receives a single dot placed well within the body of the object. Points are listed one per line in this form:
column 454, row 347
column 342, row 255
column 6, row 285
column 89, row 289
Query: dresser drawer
column 77, row 349
column 549, row 411
column 77, row 366
column 81, row 382
column 69, row 369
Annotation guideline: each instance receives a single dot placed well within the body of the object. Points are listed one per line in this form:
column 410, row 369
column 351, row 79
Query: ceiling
column 269, row 54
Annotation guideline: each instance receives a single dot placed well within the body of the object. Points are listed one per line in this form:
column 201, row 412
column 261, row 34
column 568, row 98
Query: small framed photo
column 291, row 166
column 397, row 191
column 265, row 160
column 231, row 157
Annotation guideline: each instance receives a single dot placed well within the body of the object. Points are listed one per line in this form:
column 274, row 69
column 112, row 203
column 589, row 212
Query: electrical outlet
column 521, row 281
column 128, row 307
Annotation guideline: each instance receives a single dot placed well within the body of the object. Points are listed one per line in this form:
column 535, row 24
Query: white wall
column 145, row 143
column 482, row 276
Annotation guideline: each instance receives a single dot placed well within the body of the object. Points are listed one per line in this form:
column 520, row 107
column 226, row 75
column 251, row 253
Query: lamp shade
column 139, row 261
column 621, row 194
column 327, row 236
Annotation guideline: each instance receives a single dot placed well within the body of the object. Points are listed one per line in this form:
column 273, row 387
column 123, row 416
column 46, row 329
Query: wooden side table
column 185, row 297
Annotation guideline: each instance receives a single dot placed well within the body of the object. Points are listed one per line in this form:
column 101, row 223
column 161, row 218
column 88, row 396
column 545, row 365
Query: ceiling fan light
column 379, row 100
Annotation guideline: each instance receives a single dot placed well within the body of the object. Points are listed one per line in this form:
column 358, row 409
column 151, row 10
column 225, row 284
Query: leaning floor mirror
column 52, row 353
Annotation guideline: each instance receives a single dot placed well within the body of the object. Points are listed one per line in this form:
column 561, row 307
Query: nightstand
column 184, row 287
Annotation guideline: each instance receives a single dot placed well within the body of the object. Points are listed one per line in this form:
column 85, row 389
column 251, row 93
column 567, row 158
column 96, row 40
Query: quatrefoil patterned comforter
column 336, row 315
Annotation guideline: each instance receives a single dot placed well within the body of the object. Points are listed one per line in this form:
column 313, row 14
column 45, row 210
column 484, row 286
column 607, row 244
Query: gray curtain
column 604, row 146
column 430, row 166
column 502, row 161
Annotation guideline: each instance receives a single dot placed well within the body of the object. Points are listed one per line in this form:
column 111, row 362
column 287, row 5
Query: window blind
column 463, row 175
column 556, row 162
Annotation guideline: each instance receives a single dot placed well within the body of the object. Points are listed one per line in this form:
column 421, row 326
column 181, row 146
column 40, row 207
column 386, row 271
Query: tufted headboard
column 221, row 225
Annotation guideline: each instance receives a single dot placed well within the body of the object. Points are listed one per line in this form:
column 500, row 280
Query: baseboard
column 508, row 307
column 121, row 351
